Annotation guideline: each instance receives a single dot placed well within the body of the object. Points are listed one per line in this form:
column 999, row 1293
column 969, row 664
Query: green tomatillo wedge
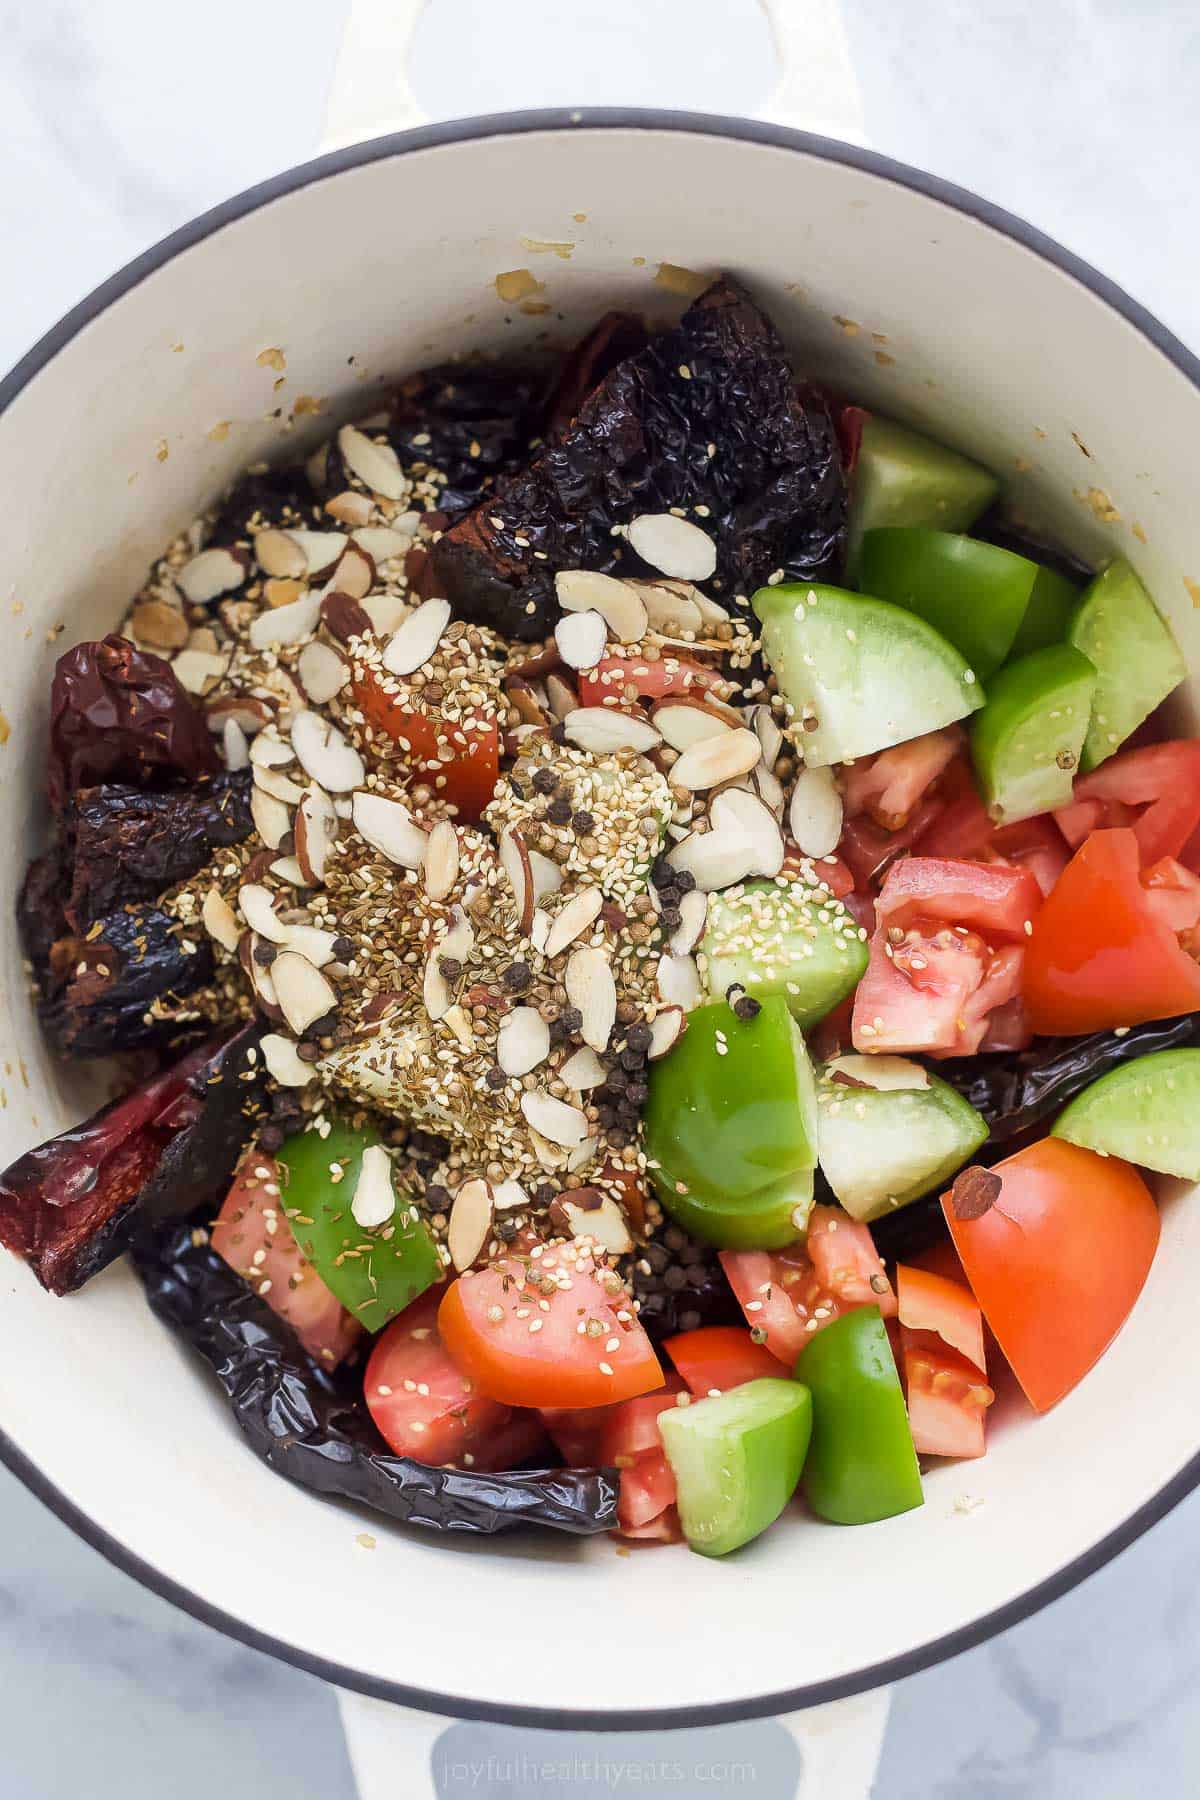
column 883, row 1146
column 376, row 1270
column 975, row 594
column 1052, row 602
column 737, row 1460
column 1137, row 661
column 1027, row 741
column 731, row 1127
column 1146, row 1112
column 860, row 674
column 783, row 937
column 899, row 477
column 861, row 1464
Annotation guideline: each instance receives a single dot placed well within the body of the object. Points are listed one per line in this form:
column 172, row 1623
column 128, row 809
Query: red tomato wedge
column 1100, row 954
column 426, row 1408
column 461, row 762
column 627, row 678
column 1174, row 894
column 1155, row 791
column 791, row 1293
column 990, row 898
column 626, row 1437
column 916, row 992
column 888, row 786
column 869, row 851
column 1058, row 1260
column 255, row 1239
column 947, row 1397
column 929, row 1302
column 547, row 1333
column 716, row 1357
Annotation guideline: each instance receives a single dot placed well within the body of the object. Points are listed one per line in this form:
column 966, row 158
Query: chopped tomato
column 529, row 1341
column 962, row 830
column 888, row 786
column 1057, row 1261
column 947, row 1397
column 716, row 1357
column 625, row 678
column 1034, row 844
column 929, row 1302
column 1155, row 791
column 915, row 993
column 1101, row 955
column 994, row 1016
column 624, row 1437
column 255, row 1239
column 425, row 1406
column 1174, row 893
column 665, row 1529
column 792, row 1293
column 836, row 875
column 869, row 851
column 461, row 762
column 986, row 897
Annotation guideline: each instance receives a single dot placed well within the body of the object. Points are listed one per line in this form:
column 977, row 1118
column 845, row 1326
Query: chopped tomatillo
column 736, row 1458
column 1027, row 742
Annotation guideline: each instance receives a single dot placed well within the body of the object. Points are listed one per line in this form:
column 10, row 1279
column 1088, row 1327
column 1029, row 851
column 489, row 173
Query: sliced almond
column 459, row 941
column 887, row 1074
column 303, row 993
column 547, row 875
column 376, row 465
column 219, row 920
column 560, row 696
column 326, row 754
column 470, row 1222
column 245, row 711
column 210, row 574
column 262, row 986
column 693, row 912
column 734, row 810
column 417, row 638
column 381, row 542
column 583, row 1071
column 604, row 729
column 508, row 1196
column 282, row 590
column 670, row 609
column 588, row 979
column 766, row 784
column 386, row 613
column 277, row 784
column 389, row 828
column 580, row 912
column 435, row 989
column 768, row 732
column 355, row 572
column 315, row 826
column 458, row 1020
column 374, row 1201
column 713, row 760
column 272, row 820
column 441, row 860
column 679, row 982
column 234, row 748
column 280, row 625
column 514, row 860
column 539, row 931
column 605, row 1224
column 197, row 670
column 288, row 869
column 581, row 638
column 321, row 550
column 284, row 1062
column 619, row 605
column 350, row 508
column 323, row 672
column 159, row 624
column 666, row 1029
column 560, row 1124
column 311, row 942
column 523, row 1040
column 687, row 719
column 584, row 1153
column 714, row 859
column 711, row 611
column 270, row 751
column 257, row 906
column 815, row 812
column 278, row 553
column 673, row 545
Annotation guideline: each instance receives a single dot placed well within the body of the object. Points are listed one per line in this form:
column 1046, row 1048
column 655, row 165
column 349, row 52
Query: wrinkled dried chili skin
column 129, row 844
column 773, row 484
column 70, row 1207
column 124, row 987
column 313, row 1427
column 611, row 339
column 119, row 714
column 471, row 421
column 278, row 496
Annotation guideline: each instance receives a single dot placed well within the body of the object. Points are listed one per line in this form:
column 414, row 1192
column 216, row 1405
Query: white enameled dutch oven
column 127, row 418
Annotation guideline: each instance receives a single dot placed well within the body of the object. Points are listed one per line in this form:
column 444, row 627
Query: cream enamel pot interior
column 129, row 417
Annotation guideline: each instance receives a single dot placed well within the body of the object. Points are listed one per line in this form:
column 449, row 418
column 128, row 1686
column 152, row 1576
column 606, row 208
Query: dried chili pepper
column 118, row 713
column 124, row 985
column 470, row 421
column 131, row 844
column 312, row 1425
column 70, row 1207
column 279, row 497
column 708, row 415
column 611, row 339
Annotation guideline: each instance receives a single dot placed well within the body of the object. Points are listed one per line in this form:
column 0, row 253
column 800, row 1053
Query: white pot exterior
column 389, row 255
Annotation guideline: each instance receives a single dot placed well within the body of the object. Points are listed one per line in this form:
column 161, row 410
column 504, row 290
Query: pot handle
column 392, row 1748
column 370, row 93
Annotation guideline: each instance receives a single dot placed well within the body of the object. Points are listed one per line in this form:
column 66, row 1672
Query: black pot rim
column 786, row 1700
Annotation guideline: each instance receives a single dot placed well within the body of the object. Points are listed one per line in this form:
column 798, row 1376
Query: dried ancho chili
column 119, row 714
column 313, row 1426
column 123, row 985
column 72, row 1206
column 471, row 421
column 132, row 845
column 708, row 414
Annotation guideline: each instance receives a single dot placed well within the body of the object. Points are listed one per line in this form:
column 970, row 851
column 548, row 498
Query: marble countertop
column 120, row 123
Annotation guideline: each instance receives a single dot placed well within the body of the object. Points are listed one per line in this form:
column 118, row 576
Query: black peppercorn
column 270, row 1139
column 437, row 1196
column 746, row 1007
column 571, row 1019
column 343, row 948
column 544, row 780
column 495, row 1077
column 638, row 1038
column 450, row 968
column 559, row 812
column 685, row 881
column 582, row 823
column 670, row 918
column 517, row 978
column 265, row 954
column 545, row 1193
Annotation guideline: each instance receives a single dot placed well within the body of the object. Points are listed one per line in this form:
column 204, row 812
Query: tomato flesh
column 947, row 1399
column 928, row 1302
column 546, row 1332
column 626, row 1437
column 1155, row 791
column 888, row 786
column 716, row 1357
column 634, row 678
column 253, row 1236
column 1058, row 1260
column 1100, row 954
column 792, row 1294
column 463, row 769
column 426, row 1408
column 990, row 898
